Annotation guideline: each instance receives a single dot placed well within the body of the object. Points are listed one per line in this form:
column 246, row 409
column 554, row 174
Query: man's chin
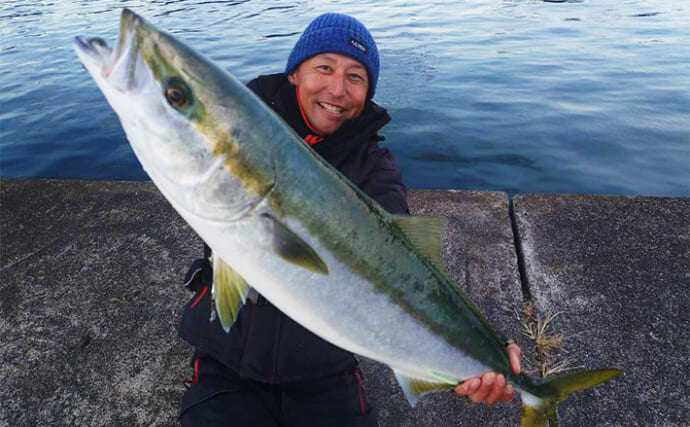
column 326, row 129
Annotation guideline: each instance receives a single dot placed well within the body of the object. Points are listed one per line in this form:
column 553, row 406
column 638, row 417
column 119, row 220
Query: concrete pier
column 91, row 299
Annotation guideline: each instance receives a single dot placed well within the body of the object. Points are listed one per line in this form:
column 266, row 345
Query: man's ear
column 292, row 78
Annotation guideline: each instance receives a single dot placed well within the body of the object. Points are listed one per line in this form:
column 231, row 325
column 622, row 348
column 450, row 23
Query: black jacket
column 264, row 344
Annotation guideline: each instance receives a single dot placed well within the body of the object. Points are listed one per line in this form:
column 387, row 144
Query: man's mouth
column 331, row 108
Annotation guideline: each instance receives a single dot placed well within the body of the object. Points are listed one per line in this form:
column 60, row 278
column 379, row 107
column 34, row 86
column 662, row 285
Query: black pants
column 218, row 397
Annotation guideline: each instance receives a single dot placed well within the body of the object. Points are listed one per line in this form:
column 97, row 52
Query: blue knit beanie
column 337, row 33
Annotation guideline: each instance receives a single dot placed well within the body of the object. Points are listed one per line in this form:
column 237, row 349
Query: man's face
column 332, row 88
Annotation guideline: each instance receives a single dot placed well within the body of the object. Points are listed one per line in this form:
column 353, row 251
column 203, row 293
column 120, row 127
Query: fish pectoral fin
column 290, row 247
column 425, row 233
column 416, row 387
column 229, row 292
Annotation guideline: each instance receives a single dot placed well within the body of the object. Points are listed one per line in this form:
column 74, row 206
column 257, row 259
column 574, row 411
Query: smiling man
column 269, row 370
column 331, row 88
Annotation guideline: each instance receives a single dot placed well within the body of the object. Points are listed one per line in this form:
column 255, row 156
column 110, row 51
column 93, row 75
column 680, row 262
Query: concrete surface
column 90, row 302
column 618, row 271
column 92, row 296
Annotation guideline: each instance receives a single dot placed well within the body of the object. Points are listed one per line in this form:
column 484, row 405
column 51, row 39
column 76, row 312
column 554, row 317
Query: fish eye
column 175, row 97
column 177, row 93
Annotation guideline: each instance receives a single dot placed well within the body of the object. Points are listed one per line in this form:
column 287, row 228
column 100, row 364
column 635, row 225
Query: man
column 268, row 370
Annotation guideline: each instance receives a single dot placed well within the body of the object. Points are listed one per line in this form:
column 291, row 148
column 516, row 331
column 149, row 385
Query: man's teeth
column 331, row 108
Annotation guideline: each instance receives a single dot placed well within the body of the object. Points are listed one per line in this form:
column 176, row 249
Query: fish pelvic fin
column 414, row 388
column 537, row 411
column 229, row 292
column 291, row 248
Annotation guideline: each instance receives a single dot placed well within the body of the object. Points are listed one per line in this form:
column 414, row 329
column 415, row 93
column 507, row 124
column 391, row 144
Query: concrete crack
column 524, row 281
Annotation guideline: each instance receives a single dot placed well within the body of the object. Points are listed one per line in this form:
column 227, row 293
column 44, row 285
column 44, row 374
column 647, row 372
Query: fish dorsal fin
column 290, row 247
column 416, row 387
column 229, row 292
column 425, row 233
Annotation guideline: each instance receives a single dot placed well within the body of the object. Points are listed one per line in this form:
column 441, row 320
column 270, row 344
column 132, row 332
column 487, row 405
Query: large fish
column 280, row 219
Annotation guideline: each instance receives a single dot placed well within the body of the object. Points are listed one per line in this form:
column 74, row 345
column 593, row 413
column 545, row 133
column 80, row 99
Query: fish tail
column 540, row 407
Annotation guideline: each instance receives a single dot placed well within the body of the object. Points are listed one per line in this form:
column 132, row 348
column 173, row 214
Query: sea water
column 515, row 95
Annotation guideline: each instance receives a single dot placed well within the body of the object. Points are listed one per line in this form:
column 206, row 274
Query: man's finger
column 468, row 387
column 508, row 394
column 497, row 391
column 514, row 356
column 484, row 388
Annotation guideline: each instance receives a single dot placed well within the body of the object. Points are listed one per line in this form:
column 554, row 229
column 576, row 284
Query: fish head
column 180, row 114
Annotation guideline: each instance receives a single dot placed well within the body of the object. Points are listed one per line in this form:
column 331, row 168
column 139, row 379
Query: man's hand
column 490, row 387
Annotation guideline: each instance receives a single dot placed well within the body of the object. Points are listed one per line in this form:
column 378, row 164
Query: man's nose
column 336, row 85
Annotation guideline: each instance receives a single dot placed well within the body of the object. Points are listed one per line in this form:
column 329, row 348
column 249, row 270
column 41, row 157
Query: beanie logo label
column 358, row 45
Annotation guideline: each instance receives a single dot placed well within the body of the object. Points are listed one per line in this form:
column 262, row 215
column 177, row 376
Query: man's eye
column 324, row 67
column 356, row 77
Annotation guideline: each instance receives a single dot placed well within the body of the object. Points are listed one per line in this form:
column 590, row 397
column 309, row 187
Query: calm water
column 521, row 95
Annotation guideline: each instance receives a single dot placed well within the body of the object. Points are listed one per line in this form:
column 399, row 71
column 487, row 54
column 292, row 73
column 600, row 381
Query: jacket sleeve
column 384, row 183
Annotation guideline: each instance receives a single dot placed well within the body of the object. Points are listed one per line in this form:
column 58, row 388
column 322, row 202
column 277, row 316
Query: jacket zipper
column 276, row 347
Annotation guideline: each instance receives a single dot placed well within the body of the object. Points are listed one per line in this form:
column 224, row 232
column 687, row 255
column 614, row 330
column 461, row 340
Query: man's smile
column 331, row 108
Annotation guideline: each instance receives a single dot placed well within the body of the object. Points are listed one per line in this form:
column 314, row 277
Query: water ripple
column 645, row 15
column 270, row 36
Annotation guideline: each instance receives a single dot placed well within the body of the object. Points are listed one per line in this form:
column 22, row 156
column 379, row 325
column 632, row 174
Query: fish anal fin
column 416, row 387
column 229, row 292
column 291, row 248
column 425, row 233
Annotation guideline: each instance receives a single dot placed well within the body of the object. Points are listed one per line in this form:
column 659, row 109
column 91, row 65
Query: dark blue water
column 521, row 96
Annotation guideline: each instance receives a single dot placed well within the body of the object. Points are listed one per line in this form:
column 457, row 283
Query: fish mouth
column 95, row 49
column 115, row 65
